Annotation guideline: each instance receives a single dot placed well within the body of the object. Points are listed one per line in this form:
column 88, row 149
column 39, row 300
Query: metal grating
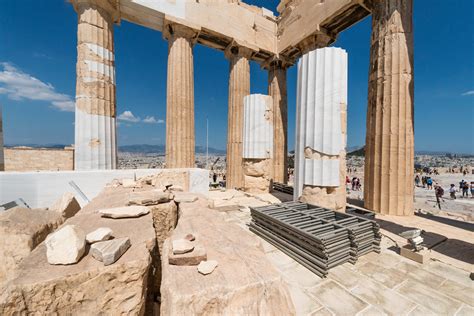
column 283, row 188
column 318, row 238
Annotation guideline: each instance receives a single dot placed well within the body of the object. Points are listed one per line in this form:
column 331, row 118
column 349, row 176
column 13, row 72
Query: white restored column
column 2, row 157
column 180, row 97
column 95, row 142
column 389, row 151
column 277, row 90
column 258, row 143
column 239, row 87
column 321, row 128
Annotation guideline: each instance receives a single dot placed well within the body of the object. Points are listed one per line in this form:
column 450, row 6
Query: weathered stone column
column 180, row 97
column 320, row 167
column 2, row 156
column 389, row 151
column 95, row 142
column 258, row 143
column 277, row 90
column 239, row 87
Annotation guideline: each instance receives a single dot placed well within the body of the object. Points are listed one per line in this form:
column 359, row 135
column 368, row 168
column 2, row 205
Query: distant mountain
column 37, row 145
column 160, row 149
column 357, row 153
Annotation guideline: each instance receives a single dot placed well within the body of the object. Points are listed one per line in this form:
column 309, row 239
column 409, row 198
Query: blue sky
column 37, row 78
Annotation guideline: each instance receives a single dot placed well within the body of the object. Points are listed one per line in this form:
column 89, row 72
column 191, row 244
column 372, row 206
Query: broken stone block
column 181, row 246
column 130, row 183
column 100, row 234
column 65, row 246
column 149, row 197
column 111, row 250
column 185, row 198
column 176, row 188
column 192, row 258
column 165, row 217
column 206, row 267
column 125, row 211
column 67, row 205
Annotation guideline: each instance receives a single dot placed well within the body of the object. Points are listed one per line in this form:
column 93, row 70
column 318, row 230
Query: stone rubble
column 100, row 234
column 192, row 258
column 67, row 205
column 185, row 198
column 207, row 267
column 65, row 246
column 124, row 212
column 181, row 246
column 149, row 197
column 111, row 250
column 129, row 183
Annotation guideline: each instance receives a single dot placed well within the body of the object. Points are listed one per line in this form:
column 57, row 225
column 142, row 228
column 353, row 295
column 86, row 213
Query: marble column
column 2, row 157
column 320, row 167
column 239, row 87
column 258, row 143
column 95, row 142
column 277, row 90
column 180, row 141
column 389, row 151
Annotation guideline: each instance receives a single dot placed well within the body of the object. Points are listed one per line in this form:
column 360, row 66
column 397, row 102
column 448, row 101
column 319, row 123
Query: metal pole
column 207, row 143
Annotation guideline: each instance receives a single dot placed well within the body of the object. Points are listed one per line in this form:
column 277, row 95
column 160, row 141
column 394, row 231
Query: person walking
column 423, row 181
column 429, row 183
column 439, row 192
column 465, row 189
column 417, row 180
column 472, row 189
column 452, row 192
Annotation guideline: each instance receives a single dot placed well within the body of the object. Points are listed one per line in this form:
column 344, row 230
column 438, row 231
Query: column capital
column 314, row 41
column 234, row 49
column 275, row 62
column 109, row 6
column 174, row 27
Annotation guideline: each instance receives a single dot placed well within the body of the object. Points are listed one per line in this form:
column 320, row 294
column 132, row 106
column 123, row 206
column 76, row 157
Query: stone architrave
column 95, row 115
column 277, row 90
column 2, row 157
column 320, row 167
column 389, row 151
column 258, row 143
column 180, row 97
column 239, row 87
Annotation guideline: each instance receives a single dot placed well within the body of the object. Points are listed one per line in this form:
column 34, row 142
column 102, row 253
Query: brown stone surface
column 243, row 283
column 67, row 205
column 21, row 230
column 277, row 90
column 389, row 150
column 192, row 258
column 239, row 87
column 87, row 287
column 165, row 218
column 180, row 98
column 35, row 159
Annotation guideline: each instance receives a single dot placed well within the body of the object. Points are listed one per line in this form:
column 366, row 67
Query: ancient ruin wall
column 36, row 159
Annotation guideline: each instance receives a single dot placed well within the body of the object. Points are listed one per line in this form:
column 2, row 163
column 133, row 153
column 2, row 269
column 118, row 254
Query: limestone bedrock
column 65, row 246
column 181, row 246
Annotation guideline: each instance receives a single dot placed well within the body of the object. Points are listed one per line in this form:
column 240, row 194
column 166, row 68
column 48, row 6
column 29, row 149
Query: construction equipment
column 318, row 238
column 283, row 188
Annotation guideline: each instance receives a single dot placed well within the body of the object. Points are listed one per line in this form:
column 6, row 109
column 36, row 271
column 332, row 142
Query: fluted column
column 277, row 90
column 239, row 87
column 389, row 156
column 180, row 97
column 95, row 142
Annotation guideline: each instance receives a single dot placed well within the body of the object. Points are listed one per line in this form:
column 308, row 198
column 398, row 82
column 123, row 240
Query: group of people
column 355, row 182
column 426, row 181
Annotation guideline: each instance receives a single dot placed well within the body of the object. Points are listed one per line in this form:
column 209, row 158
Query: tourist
column 429, row 183
column 465, row 189
column 353, row 182
column 423, row 181
column 214, row 177
column 417, row 180
column 472, row 189
column 452, row 192
column 439, row 192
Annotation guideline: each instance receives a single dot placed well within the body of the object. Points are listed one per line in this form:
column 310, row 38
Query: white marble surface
column 43, row 188
column 258, row 126
column 321, row 89
column 321, row 172
column 95, row 142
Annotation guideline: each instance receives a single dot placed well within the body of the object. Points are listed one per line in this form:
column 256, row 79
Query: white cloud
column 19, row 86
column 128, row 116
column 152, row 120
column 471, row 92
